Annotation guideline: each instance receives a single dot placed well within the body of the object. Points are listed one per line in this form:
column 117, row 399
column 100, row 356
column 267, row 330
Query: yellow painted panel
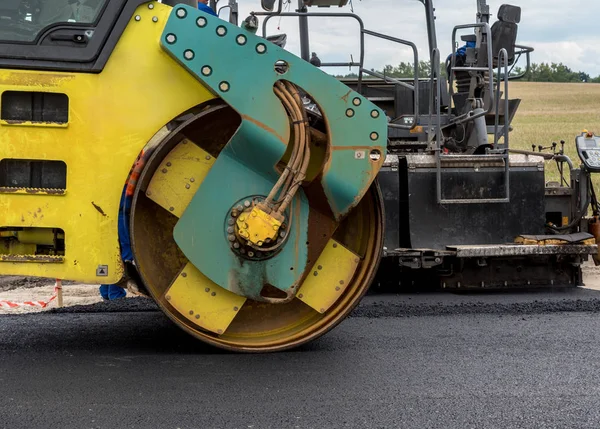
column 331, row 275
column 112, row 115
column 203, row 302
column 179, row 177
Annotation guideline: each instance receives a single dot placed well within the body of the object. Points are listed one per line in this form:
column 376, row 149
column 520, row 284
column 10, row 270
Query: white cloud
column 556, row 29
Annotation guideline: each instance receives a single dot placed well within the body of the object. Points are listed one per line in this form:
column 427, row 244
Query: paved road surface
column 490, row 361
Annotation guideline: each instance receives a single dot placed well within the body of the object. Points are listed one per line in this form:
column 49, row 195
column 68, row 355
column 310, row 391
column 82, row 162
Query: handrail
column 467, row 116
column 360, row 64
column 502, row 59
column 523, row 50
column 494, row 103
column 329, row 15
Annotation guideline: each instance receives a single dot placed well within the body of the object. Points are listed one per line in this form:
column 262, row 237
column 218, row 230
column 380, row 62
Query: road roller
column 254, row 226
column 252, row 195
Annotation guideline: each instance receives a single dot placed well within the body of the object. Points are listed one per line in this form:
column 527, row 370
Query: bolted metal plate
column 179, row 176
column 201, row 234
column 354, row 123
column 202, row 302
column 331, row 275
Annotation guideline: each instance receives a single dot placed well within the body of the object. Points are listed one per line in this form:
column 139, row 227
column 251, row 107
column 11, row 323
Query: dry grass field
column 553, row 112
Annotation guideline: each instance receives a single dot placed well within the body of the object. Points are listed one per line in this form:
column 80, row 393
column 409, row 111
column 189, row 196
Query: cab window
column 24, row 20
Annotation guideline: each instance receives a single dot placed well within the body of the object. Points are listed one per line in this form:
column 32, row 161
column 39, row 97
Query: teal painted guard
column 239, row 67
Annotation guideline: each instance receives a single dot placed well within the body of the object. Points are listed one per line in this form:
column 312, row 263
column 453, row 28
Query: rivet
column 148, row 193
column 197, row 316
column 192, row 180
column 260, row 243
column 201, row 22
column 239, row 208
column 315, row 273
column 337, row 288
column 231, row 238
column 181, row 13
column 235, row 309
column 224, row 86
column 374, row 113
column 322, row 310
column 168, row 164
column 282, row 234
column 254, row 214
column 251, row 254
column 275, row 227
column 230, row 221
column 220, row 331
column 241, row 39
column 168, row 297
column 206, row 71
column 356, row 101
column 221, row 31
column 183, row 274
column 334, row 245
column 207, row 289
column 320, row 267
column 207, row 157
column 188, row 54
column 341, row 282
column 191, row 312
column 151, row 6
column 374, row 136
column 137, row 17
column 213, row 294
column 171, row 38
column 247, row 203
column 236, row 245
column 230, row 229
column 349, row 113
column 164, row 170
column 261, row 48
column 300, row 295
column 171, row 209
column 187, row 186
column 154, row 19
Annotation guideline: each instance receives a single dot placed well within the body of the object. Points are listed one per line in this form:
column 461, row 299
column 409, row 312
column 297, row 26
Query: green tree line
column 538, row 72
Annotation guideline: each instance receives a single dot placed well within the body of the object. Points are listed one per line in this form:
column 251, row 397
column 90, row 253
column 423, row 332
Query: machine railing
column 435, row 100
column 502, row 63
column 496, row 154
column 469, row 116
column 360, row 64
column 521, row 50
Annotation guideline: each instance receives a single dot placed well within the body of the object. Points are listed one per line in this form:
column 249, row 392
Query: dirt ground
column 21, row 289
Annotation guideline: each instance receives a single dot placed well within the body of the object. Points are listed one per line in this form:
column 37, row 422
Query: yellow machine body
column 112, row 116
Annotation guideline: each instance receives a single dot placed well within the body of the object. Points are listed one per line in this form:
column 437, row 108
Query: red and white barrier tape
column 41, row 304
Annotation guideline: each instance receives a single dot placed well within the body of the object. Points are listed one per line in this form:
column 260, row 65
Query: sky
column 556, row 29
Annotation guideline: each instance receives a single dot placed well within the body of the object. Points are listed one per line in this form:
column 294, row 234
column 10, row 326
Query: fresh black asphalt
column 408, row 361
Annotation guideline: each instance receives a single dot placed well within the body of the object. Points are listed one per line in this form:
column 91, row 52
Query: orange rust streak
column 264, row 127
